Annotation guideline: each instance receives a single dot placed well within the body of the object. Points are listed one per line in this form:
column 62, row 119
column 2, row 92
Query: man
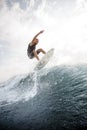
column 32, row 46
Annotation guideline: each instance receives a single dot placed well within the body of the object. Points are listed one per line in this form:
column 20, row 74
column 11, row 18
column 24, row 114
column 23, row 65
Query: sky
column 65, row 29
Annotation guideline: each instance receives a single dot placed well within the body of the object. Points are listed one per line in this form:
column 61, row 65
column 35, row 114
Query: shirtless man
column 32, row 46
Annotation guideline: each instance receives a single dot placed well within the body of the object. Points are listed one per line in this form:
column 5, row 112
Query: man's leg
column 40, row 50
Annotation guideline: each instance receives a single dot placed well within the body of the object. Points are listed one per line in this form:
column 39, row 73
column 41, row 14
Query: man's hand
column 42, row 31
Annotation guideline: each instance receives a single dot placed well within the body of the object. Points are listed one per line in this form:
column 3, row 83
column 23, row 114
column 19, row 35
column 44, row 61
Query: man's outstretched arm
column 37, row 35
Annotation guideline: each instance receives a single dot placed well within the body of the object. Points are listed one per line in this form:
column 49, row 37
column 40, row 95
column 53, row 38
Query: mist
column 65, row 29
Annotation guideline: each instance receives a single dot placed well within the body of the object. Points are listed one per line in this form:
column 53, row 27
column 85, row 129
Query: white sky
column 65, row 30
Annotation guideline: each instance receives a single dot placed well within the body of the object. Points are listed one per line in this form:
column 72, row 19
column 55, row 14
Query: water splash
column 19, row 88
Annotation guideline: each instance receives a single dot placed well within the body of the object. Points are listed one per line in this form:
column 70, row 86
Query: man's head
column 36, row 41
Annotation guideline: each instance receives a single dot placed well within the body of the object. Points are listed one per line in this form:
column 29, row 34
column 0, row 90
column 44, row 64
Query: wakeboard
column 45, row 59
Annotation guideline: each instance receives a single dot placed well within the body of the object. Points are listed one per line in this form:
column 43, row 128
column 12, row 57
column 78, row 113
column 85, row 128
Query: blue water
column 50, row 99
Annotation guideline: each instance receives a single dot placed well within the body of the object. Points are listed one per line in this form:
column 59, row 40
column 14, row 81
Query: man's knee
column 40, row 49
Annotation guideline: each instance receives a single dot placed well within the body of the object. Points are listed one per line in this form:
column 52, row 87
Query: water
column 50, row 99
column 53, row 98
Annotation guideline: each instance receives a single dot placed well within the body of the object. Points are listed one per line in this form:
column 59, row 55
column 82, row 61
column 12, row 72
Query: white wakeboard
column 45, row 59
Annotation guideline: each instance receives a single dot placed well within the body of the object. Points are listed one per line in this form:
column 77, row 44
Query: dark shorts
column 31, row 55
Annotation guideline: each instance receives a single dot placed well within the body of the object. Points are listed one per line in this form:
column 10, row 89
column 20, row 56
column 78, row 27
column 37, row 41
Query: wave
column 24, row 87
column 53, row 98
